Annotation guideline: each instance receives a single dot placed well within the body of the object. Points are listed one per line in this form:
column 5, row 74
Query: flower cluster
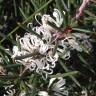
column 9, row 90
column 43, row 58
column 55, row 87
column 74, row 41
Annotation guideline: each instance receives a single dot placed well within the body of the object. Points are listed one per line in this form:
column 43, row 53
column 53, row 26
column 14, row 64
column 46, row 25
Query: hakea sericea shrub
column 43, row 58
column 42, row 52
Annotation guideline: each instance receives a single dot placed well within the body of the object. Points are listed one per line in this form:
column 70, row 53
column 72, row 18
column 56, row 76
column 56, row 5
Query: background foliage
column 83, row 65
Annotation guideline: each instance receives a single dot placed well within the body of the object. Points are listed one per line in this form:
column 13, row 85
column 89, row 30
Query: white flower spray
column 42, row 60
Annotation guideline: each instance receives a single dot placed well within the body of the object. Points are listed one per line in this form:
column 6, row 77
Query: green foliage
column 80, row 69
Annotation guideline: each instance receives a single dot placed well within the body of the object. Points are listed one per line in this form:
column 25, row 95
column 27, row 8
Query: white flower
column 47, row 18
column 46, row 34
column 42, row 60
column 84, row 39
column 10, row 90
column 66, row 55
column 84, row 93
column 52, row 59
column 59, row 18
column 30, row 42
column 72, row 42
column 63, row 50
column 16, row 51
column 58, row 87
column 41, row 64
column 43, row 48
column 51, row 81
column 43, row 93
column 80, row 35
column 23, row 93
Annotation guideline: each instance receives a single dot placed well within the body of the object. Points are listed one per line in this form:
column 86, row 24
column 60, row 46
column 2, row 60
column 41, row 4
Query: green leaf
column 13, row 65
column 29, row 30
column 15, row 10
column 23, row 14
column 64, row 74
column 5, row 51
column 30, row 17
column 86, row 64
column 83, row 30
column 67, row 70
